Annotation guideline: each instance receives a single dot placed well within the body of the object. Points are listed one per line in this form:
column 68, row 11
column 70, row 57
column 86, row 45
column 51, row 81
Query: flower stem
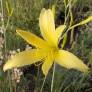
column 53, row 78
column 43, row 84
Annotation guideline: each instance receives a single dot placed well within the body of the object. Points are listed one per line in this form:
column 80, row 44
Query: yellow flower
column 46, row 49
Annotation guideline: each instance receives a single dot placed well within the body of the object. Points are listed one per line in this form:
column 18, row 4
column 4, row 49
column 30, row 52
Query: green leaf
column 64, row 41
column 9, row 8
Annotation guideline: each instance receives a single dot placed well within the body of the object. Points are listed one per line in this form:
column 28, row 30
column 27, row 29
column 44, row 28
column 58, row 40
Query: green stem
column 53, row 78
column 43, row 84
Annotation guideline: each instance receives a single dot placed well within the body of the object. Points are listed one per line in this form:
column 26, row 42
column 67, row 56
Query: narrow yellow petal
column 25, row 58
column 47, row 64
column 53, row 9
column 47, row 26
column 32, row 39
column 59, row 31
column 68, row 60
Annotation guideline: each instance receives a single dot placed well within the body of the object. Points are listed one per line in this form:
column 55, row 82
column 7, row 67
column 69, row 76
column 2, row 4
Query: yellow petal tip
column 18, row 31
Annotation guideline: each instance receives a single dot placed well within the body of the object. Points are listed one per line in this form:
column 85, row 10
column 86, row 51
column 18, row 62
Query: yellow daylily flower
column 46, row 49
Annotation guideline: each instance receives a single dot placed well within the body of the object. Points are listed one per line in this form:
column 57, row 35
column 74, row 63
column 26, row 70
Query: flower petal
column 47, row 64
column 32, row 39
column 47, row 26
column 59, row 31
column 25, row 58
column 68, row 60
